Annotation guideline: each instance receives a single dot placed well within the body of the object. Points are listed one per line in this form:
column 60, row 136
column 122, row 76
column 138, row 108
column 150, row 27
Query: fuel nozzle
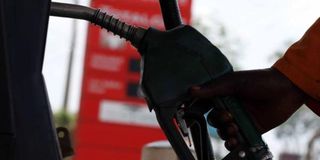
column 174, row 61
column 96, row 16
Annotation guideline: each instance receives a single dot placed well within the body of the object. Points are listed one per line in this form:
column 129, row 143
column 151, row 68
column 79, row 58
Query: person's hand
column 267, row 95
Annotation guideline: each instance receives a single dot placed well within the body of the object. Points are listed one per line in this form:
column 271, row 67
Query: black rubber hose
column 102, row 19
column 71, row 11
column 170, row 13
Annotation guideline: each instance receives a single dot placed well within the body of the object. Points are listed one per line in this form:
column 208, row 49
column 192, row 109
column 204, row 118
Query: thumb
column 223, row 86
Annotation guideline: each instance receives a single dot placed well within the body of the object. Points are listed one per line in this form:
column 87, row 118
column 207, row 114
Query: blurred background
column 96, row 100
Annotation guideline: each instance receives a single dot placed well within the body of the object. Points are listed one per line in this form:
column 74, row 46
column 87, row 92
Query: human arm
column 271, row 96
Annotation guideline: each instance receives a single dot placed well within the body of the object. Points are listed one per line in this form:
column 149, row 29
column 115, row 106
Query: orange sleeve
column 301, row 64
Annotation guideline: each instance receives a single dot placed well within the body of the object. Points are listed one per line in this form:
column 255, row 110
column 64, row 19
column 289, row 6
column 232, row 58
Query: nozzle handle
column 252, row 145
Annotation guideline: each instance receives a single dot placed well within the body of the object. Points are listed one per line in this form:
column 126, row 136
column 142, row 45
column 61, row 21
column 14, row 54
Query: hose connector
column 117, row 27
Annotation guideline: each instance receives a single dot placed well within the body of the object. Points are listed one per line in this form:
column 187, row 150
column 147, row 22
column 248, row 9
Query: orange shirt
column 301, row 64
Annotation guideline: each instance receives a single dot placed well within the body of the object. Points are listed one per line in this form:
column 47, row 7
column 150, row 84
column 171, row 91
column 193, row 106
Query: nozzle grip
column 245, row 124
column 250, row 139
